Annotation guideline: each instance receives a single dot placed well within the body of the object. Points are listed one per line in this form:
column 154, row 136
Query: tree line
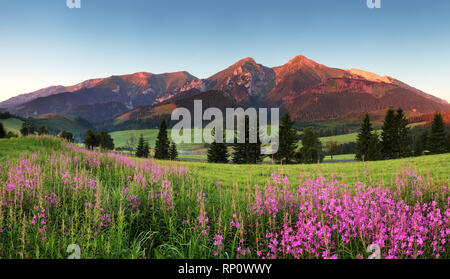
column 28, row 128
column 396, row 140
column 288, row 151
column 164, row 149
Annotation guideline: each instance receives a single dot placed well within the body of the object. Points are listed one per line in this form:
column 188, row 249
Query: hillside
column 12, row 125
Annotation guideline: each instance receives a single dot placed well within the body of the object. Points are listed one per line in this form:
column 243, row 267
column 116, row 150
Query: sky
column 44, row 43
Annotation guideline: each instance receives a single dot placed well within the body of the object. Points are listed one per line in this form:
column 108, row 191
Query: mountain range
column 305, row 88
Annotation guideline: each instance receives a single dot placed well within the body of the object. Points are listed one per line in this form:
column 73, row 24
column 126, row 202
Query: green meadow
column 56, row 194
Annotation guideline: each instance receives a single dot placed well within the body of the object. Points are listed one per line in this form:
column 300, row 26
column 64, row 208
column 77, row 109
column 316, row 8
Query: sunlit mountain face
column 305, row 88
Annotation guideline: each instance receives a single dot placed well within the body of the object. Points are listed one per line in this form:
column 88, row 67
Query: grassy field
column 198, row 151
column 434, row 167
column 121, row 137
column 340, row 139
column 54, row 194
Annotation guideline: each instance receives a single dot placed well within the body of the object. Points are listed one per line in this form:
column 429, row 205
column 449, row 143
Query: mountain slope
column 45, row 92
column 150, row 116
column 129, row 90
column 307, row 89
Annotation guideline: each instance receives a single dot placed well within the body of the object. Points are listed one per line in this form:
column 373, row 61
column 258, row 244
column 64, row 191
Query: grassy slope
column 12, row 148
column 120, row 138
column 435, row 167
column 340, row 139
column 12, row 124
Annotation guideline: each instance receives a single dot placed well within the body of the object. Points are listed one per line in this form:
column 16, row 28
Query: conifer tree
column 364, row 140
column 437, row 139
column 448, row 142
column 389, row 136
column 287, row 140
column 173, row 152
column 141, row 146
column 2, row 131
column 420, row 144
column 248, row 153
column 162, row 142
column 311, row 151
column 217, row 152
column 146, row 151
column 403, row 137
column 374, row 150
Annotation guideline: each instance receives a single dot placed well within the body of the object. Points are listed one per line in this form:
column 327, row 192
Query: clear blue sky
column 44, row 43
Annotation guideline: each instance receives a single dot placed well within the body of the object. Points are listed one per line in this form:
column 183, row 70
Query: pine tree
column 403, row 137
column 364, row 140
column 162, row 142
column 255, row 155
column 2, row 131
column 173, row 152
column 146, row 151
column 311, row 151
column 420, row 144
column 248, row 153
column 140, row 149
column 389, row 136
column 287, row 140
column 448, row 142
column 217, row 153
column 437, row 139
column 374, row 149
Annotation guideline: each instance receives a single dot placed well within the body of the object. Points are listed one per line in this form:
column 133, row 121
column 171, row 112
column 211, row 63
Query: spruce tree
column 420, row 143
column 364, row 140
column 255, row 148
column 140, row 148
column 389, row 136
column 217, row 153
column 248, row 153
column 162, row 142
column 403, row 135
column 146, row 150
column 2, row 131
column 448, row 142
column 374, row 149
column 287, row 140
column 437, row 139
column 311, row 151
column 173, row 152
